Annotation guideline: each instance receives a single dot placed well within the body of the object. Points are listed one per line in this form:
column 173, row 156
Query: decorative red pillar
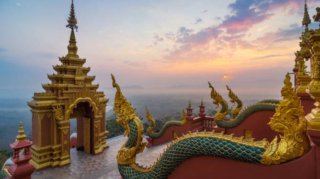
column 21, row 169
column 202, row 110
column 189, row 112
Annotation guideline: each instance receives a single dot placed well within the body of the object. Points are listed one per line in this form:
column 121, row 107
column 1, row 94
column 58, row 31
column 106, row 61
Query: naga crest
column 126, row 116
column 290, row 121
column 234, row 99
column 219, row 101
column 151, row 121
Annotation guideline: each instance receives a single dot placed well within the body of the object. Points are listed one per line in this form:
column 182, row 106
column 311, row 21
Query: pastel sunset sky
column 167, row 46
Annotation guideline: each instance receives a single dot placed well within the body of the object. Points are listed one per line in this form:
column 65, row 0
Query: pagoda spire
column 21, row 135
column 306, row 18
column 72, row 24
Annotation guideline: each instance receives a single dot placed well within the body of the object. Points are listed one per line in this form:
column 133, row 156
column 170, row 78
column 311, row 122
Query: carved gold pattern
column 288, row 120
column 58, row 112
column 314, row 86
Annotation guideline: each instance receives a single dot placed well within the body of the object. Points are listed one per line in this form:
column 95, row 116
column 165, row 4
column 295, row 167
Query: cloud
column 198, row 20
column 281, row 35
column 157, row 39
column 2, row 50
column 270, row 56
column 232, row 31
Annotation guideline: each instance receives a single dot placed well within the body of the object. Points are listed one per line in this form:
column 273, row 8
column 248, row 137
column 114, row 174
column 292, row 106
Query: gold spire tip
column 72, row 20
column 21, row 135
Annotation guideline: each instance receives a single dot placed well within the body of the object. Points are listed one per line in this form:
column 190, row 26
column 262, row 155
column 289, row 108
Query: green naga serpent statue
column 152, row 124
column 237, row 113
column 288, row 120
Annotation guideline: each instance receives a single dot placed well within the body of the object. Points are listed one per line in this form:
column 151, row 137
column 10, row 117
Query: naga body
column 288, row 120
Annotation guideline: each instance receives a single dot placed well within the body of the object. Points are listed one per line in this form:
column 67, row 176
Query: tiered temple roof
column 71, row 75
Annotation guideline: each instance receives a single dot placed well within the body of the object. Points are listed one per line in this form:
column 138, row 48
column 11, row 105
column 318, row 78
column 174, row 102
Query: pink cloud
column 246, row 14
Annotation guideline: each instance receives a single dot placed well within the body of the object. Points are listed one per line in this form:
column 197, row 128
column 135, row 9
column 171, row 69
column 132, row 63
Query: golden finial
column 21, row 135
column 306, row 18
column 72, row 20
column 72, row 24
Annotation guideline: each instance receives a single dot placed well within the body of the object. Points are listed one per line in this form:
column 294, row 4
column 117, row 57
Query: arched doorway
column 84, row 116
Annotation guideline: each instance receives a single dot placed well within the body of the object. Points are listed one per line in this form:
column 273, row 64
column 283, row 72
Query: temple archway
column 70, row 94
column 84, row 115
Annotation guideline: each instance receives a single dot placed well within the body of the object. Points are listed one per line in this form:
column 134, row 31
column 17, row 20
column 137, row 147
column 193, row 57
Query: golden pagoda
column 70, row 94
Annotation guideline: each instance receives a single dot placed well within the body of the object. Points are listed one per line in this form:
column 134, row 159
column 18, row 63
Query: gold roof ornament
column 72, row 20
column 21, row 135
column 306, row 18
column 72, row 24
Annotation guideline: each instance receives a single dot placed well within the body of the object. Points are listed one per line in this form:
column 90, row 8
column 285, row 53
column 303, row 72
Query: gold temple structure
column 70, row 94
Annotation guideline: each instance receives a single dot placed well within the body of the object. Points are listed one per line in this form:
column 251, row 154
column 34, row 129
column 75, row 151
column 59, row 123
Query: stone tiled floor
column 102, row 166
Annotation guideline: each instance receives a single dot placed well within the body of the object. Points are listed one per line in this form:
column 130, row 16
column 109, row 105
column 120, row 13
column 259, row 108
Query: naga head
column 235, row 100
column 151, row 121
column 217, row 98
column 288, row 120
column 128, row 119
column 122, row 108
column 289, row 114
column 218, row 101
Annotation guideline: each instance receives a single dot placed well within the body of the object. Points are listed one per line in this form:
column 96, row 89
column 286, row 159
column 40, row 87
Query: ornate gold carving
column 84, row 92
column 234, row 99
column 125, row 114
column 302, row 77
column 151, row 120
column 218, row 101
column 58, row 113
column 314, row 86
column 288, row 120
